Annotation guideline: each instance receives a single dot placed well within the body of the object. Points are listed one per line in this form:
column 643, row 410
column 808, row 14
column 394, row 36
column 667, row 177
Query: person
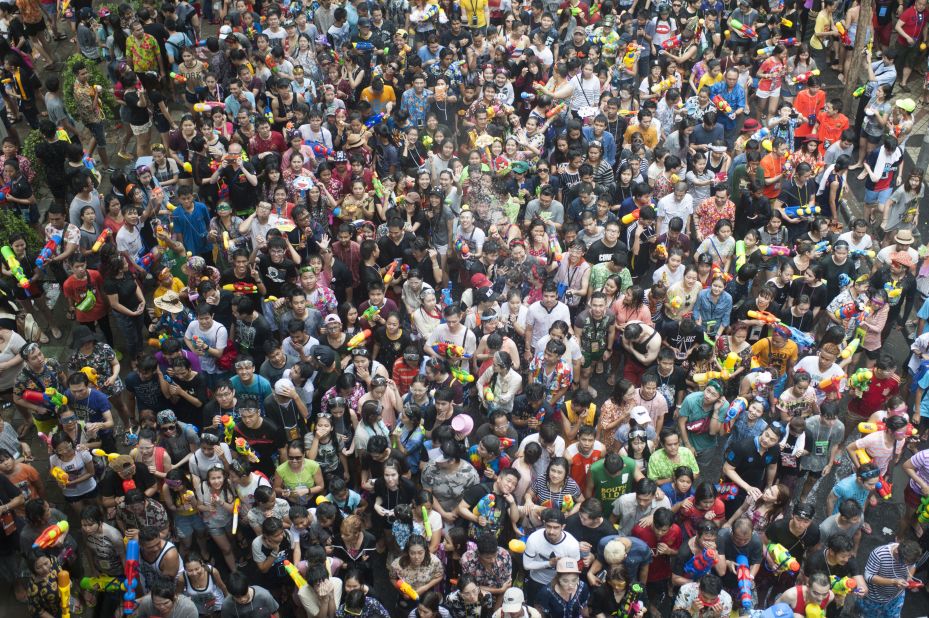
column 888, row 569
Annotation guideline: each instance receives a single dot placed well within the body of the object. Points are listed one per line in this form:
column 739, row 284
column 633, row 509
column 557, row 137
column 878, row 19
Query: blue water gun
column 447, row 295
column 375, row 120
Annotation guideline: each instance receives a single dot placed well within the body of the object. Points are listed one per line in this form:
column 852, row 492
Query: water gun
column 830, row 384
column 862, row 456
column 488, row 394
column 375, row 120
column 860, row 90
column 632, row 216
column 48, row 251
column 661, row 251
column 843, row 33
column 744, row 576
column 320, row 150
column 663, row 86
column 359, row 339
column 16, row 268
column 177, row 77
column 885, row 488
column 765, row 316
column 771, row 250
column 51, row 535
column 813, row 611
column 732, row 359
column 842, row 585
column 718, row 272
column 145, row 261
column 700, row 564
column 157, row 342
column 462, row 375
column 99, row 452
column 851, row 348
column 739, row 405
column 761, row 134
column 102, row 584
column 228, row 424
column 101, row 239
column 804, row 77
column 743, row 31
column 788, row 42
column 566, row 504
column 722, row 104
column 389, row 273
column 363, row 46
column 727, row 491
column 821, row 247
column 208, row 106
column 867, row 427
column 378, row 185
column 922, row 514
column 450, row 350
column 802, row 211
column 241, row 288
column 782, row 559
column 294, row 574
column 447, row 295
column 892, row 290
column 50, row 396
column 555, row 247
column 131, row 571
column 64, row 592
column 847, row 311
column 60, row 476
column 462, row 247
column 765, row 51
column 485, row 507
column 631, row 56
column 673, row 42
column 242, row 448
column 235, row 515
column 369, row 313
column 860, row 253
column 406, row 589
column 554, row 111
column 704, row 377
column 427, row 527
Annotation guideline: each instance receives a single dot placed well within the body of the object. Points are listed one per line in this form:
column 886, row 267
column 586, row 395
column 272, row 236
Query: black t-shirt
column 147, row 392
column 751, row 465
column 287, row 416
column 111, row 484
column 779, row 532
column 53, row 157
column 819, row 296
column 265, row 440
column 832, row 271
column 590, row 535
column 242, row 195
column 390, row 349
column 186, row 411
column 124, row 289
column 275, row 276
column 250, row 337
column 499, row 523
column 341, row 280
column 211, row 409
column 222, row 311
column 138, row 115
column 599, row 253
column 671, row 333
column 391, row 251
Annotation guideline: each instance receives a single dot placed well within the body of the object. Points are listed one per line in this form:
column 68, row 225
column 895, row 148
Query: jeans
column 873, row 609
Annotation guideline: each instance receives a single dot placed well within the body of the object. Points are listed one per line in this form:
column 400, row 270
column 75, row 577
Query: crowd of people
column 531, row 310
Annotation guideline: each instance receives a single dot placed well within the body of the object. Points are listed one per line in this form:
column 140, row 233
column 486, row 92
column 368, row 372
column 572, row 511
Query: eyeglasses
column 295, row 457
column 68, row 419
column 168, row 427
column 244, row 365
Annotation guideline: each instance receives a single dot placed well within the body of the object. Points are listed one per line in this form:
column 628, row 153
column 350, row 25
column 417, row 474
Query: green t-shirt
column 660, row 467
column 692, row 410
column 305, row 478
column 608, row 488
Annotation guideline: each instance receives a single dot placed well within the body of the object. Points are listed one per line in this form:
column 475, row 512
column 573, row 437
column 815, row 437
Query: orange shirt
column 830, row 129
column 807, row 105
column 772, row 165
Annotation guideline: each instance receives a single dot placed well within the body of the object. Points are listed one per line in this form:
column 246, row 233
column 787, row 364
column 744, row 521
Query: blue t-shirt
column 849, row 487
column 638, row 555
column 92, row 409
column 193, row 226
column 260, row 388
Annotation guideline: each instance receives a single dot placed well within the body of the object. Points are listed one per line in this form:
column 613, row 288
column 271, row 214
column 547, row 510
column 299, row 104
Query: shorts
column 89, row 495
column 873, row 354
column 874, row 140
column 35, row 29
column 765, row 94
column 98, row 130
column 141, row 129
column 911, row 498
column 218, row 531
column 907, row 56
column 589, row 358
column 877, row 197
column 187, row 525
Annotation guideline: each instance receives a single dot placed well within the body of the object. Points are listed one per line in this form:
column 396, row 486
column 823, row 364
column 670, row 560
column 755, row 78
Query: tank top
column 151, row 570
column 207, row 599
column 800, row 607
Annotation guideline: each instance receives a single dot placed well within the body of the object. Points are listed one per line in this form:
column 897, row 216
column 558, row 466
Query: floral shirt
column 459, row 609
column 88, row 108
column 323, row 299
column 372, row 609
column 416, row 105
column 495, row 576
column 448, row 487
column 559, row 378
column 43, row 594
column 688, row 597
column 100, row 360
column 154, row 515
column 421, row 575
column 27, row 380
column 142, row 55
column 710, row 213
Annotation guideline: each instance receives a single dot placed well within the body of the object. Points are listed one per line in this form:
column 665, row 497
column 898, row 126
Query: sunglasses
column 168, row 427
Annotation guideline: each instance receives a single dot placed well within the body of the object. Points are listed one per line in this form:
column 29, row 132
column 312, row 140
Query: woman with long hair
column 766, row 509
column 419, row 568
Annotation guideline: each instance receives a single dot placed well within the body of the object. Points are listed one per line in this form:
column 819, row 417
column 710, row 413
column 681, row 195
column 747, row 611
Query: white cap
column 225, row 31
column 640, row 415
column 513, row 600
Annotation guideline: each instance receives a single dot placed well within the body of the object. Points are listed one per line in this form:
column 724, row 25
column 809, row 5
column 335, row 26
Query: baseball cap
column 281, row 386
column 480, row 280
column 567, row 565
column 513, row 600
column 640, row 415
column 779, row 610
column 225, row 31
column 324, row 355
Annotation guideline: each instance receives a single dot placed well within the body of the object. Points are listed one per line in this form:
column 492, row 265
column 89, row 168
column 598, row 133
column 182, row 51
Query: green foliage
column 97, row 78
column 32, row 141
column 10, row 223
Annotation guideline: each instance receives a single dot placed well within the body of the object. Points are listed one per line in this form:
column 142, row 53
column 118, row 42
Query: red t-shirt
column 660, row 567
column 805, row 104
column 76, row 289
column 580, row 465
column 875, row 398
column 913, row 23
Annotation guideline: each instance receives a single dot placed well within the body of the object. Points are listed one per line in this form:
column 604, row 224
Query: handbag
column 227, row 359
column 699, row 426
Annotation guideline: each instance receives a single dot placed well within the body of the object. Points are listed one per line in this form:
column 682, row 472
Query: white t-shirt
column 129, row 240
column 669, row 207
column 541, row 319
column 810, row 364
column 572, row 351
column 217, row 337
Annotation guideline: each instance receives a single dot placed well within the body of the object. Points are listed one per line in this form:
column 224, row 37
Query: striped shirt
column 883, row 562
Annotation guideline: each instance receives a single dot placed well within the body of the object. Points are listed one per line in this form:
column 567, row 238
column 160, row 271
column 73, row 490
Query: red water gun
column 673, row 42
column 805, row 77
column 145, row 261
column 101, row 239
column 843, row 33
column 51, row 535
column 746, row 32
column 241, row 288
column 632, row 216
column 885, row 488
column 722, row 104
column 830, row 384
column 765, row 316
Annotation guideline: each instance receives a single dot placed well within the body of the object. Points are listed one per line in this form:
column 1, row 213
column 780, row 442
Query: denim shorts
column 877, row 197
column 187, row 525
